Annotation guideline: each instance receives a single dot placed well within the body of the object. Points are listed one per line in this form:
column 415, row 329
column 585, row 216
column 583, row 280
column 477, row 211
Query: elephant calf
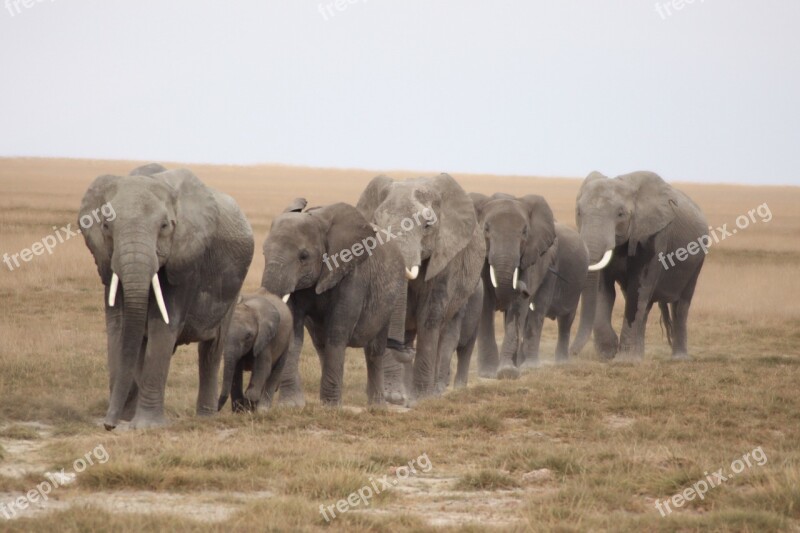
column 259, row 340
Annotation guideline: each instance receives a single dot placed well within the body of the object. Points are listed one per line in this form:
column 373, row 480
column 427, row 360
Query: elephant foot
column 681, row 356
column 606, row 350
column 148, row 421
column 440, row 388
column 531, row 363
column 393, row 389
column 508, row 372
column 291, row 397
column 562, row 359
column 629, row 356
column 460, row 384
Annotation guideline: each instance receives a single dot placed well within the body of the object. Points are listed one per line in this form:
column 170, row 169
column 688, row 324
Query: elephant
column 341, row 282
column 433, row 222
column 259, row 339
column 192, row 245
column 629, row 224
column 534, row 268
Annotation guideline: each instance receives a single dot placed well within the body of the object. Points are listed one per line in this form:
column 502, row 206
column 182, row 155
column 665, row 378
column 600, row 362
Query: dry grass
column 600, row 442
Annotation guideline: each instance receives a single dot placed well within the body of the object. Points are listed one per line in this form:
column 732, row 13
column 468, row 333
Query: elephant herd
column 412, row 273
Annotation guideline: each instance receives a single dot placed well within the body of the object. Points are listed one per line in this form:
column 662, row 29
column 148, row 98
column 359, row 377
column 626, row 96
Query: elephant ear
column 535, row 275
column 478, row 201
column 268, row 319
column 541, row 232
column 654, row 204
column 456, row 220
column 197, row 215
column 343, row 226
column 96, row 196
column 373, row 196
column 150, row 169
column 297, row 205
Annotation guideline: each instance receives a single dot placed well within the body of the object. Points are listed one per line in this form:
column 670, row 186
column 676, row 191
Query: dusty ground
column 583, row 446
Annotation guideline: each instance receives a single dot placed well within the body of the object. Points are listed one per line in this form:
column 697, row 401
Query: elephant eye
column 303, row 255
column 486, row 227
column 621, row 213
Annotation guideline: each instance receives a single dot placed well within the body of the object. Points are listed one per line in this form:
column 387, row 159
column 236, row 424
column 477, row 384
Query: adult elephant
column 442, row 254
column 339, row 282
column 629, row 224
column 192, row 246
column 535, row 268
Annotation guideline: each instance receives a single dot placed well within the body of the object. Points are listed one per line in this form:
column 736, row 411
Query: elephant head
column 430, row 219
column 520, row 237
column 162, row 227
column 253, row 326
column 316, row 248
column 622, row 214
column 625, row 210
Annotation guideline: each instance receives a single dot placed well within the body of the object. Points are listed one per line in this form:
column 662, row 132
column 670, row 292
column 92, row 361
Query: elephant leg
column 606, row 341
column 273, row 380
column 447, row 345
column 488, row 359
column 680, row 317
column 464, row 352
column 562, row 346
column 209, row 355
column 374, row 355
column 291, row 389
column 330, row 388
column 508, row 368
column 638, row 302
column 238, row 402
column 426, row 360
column 398, row 376
column 153, row 376
column 529, row 354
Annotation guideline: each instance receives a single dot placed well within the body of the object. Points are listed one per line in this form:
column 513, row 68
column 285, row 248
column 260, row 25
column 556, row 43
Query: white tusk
column 160, row 298
column 603, row 262
column 533, row 307
column 516, row 277
column 491, row 275
column 413, row 273
column 112, row 289
column 286, row 297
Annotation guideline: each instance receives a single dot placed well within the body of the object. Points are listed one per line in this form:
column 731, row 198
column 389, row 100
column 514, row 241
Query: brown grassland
column 583, row 446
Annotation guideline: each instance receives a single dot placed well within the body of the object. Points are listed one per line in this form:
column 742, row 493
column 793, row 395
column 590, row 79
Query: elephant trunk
column 136, row 279
column 262, row 365
column 504, row 274
column 600, row 241
column 277, row 281
column 588, row 308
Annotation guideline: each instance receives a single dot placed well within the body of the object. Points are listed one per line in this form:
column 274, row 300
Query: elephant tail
column 666, row 320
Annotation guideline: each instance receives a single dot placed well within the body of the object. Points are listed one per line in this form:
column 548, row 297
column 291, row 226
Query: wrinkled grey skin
column 520, row 236
column 258, row 341
column 448, row 252
column 462, row 333
column 637, row 216
column 557, row 298
column 345, row 305
column 200, row 244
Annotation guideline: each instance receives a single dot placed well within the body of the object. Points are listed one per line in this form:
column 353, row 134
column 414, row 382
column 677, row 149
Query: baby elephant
column 258, row 341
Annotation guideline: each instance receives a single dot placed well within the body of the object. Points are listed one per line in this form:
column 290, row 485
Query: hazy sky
column 710, row 92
